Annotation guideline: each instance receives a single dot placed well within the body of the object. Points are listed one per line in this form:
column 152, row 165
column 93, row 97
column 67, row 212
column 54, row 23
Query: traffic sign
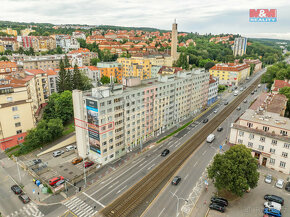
column 33, row 191
column 221, row 147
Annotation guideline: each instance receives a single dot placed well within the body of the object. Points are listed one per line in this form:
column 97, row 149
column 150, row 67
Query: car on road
column 239, row 108
column 205, row 120
column 215, row 111
column 217, row 207
column 70, row 147
column 24, row 198
column 54, row 180
column 57, row 153
column 272, row 205
column 176, row 180
column 255, row 90
column 219, row 200
column 280, row 183
column 268, row 179
column 77, row 160
column 36, row 161
column 16, row 189
column 226, row 103
column 287, row 186
column 245, row 101
column 88, row 164
column 252, row 92
column 220, row 129
column 272, row 212
column 165, row 152
column 274, row 198
column 259, row 85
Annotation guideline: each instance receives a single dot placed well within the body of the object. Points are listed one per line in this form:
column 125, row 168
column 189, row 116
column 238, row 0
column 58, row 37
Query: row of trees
column 286, row 91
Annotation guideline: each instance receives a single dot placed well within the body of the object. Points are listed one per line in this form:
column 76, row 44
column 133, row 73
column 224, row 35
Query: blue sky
column 206, row 16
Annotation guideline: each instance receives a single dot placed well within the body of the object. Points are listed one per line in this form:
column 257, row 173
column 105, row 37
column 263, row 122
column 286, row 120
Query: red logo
column 263, row 15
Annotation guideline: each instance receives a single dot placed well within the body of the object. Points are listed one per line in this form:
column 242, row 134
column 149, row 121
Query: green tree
column 235, row 170
column 31, row 51
column 77, row 79
column 252, row 68
column 105, row 79
column 59, row 50
column 221, row 88
column 182, row 61
column 4, row 58
column 286, row 91
column 209, row 65
column 20, row 50
column 66, row 62
column 94, row 61
column 86, row 82
column 61, row 83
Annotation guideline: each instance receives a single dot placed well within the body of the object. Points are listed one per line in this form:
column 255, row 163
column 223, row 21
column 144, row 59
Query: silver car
column 280, row 183
column 268, row 179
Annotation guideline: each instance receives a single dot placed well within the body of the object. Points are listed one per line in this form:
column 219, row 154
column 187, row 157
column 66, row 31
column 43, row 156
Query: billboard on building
column 93, row 125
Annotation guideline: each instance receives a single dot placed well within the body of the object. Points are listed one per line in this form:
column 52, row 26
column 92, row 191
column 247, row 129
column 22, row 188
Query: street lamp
column 178, row 198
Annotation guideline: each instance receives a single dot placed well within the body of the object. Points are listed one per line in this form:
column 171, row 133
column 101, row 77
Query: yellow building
column 9, row 31
column 230, row 73
column 136, row 67
column 16, row 115
column 25, row 32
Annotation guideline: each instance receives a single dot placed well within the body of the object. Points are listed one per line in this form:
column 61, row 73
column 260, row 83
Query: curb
column 207, row 213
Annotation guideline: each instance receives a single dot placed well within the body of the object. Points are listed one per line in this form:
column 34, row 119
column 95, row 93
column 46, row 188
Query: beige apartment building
column 263, row 130
column 16, row 114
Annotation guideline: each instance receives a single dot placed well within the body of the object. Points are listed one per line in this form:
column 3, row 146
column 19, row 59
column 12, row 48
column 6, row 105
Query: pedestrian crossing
column 28, row 210
column 79, row 207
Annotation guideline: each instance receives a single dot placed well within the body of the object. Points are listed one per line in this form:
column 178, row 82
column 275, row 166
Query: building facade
column 230, row 73
column 213, row 90
column 7, row 67
column 240, row 46
column 112, row 120
column 111, row 69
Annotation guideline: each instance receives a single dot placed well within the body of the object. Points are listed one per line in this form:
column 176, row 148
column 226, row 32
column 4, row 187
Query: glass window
column 282, row 164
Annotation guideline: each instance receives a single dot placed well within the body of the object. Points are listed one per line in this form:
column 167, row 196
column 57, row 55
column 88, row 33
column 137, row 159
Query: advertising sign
column 263, row 15
column 93, row 125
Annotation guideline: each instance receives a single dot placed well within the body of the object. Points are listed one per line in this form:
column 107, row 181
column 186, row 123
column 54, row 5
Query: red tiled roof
column 80, row 50
column 7, row 64
column 35, row 71
column 230, row 67
column 93, row 68
column 51, row 72
column 280, row 84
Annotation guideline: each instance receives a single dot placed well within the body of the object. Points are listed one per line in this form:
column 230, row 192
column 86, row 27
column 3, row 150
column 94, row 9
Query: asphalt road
column 171, row 199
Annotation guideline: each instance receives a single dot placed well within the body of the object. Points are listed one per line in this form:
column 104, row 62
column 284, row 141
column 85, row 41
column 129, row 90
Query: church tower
column 174, row 55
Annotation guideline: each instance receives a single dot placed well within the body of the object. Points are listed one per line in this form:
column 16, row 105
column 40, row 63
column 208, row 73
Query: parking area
column 252, row 203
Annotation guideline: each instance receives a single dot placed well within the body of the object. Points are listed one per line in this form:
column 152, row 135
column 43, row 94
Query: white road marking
column 113, row 184
column 151, row 167
column 94, row 199
column 195, row 164
column 121, row 189
column 161, row 212
column 185, row 176
column 142, row 163
column 204, row 152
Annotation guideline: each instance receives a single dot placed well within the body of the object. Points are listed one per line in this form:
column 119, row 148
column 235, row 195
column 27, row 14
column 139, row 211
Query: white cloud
column 215, row 16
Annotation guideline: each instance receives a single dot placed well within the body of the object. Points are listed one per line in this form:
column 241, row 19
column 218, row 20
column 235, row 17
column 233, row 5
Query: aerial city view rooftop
column 144, row 108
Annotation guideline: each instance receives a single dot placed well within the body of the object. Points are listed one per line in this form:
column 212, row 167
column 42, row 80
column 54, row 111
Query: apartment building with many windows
column 16, row 114
column 112, row 120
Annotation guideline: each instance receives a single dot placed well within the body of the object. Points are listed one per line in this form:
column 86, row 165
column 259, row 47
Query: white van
column 272, row 205
column 210, row 138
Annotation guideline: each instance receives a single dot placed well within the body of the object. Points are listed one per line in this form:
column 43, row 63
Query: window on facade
column 265, row 128
column 16, row 116
column 105, row 150
column 274, row 142
column 102, row 104
column 20, row 138
column 250, row 124
column 104, row 143
column 241, row 133
column 261, row 147
column 111, row 140
column 250, row 144
column 109, row 102
column 251, row 136
column 272, row 150
column 103, row 128
column 240, row 141
column 14, row 108
column 284, row 154
column 262, row 139
column 283, row 133
column 9, row 99
column 286, row 145
column 282, row 164
column 18, row 131
column 18, row 124
column 112, row 155
column 272, row 161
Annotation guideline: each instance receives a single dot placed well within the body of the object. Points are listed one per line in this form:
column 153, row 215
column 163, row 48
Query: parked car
column 268, row 179
column 220, row 129
column 274, row 198
column 226, row 103
column 60, row 182
column 215, row 111
column 56, row 153
column 245, row 101
column 88, row 164
column 77, row 160
column 280, row 183
column 252, row 92
column 205, row 120
column 54, row 180
column 272, row 212
column 272, row 205
column 239, row 108
column 36, row 161
column 219, row 200
column 255, row 90
column 70, row 147
column 24, row 198
column 165, row 152
column 176, row 180
column 217, row 207
column 16, row 189
column 287, row 186
column 259, row 85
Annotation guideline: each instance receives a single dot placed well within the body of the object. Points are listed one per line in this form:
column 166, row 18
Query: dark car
column 217, row 207
column 88, row 164
column 220, row 129
column 16, row 189
column 252, row 92
column 24, row 198
column 272, row 212
column 239, row 108
column 287, row 186
column 226, row 103
column 176, row 180
column 205, row 120
column 36, row 161
column 165, row 152
column 219, row 200
column 274, row 198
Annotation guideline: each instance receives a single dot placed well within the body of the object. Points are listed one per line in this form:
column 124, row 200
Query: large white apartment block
column 240, row 46
column 267, row 135
column 112, row 120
